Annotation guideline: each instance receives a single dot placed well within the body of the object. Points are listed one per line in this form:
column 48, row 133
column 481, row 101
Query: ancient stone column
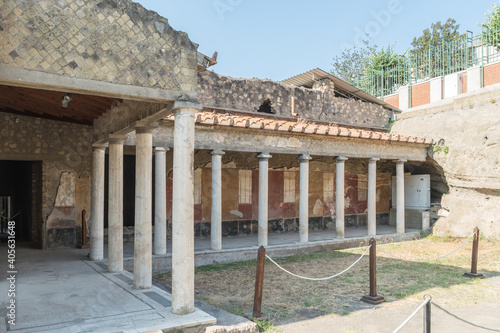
column 263, row 198
column 400, row 196
column 372, row 196
column 339, row 197
column 216, row 219
column 304, row 198
column 143, row 208
column 160, row 238
column 183, row 213
column 97, row 205
column 115, row 205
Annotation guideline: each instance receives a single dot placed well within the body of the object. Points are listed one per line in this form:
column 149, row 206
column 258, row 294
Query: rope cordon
column 431, row 260
column 318, row 279
column 464, row 320
column 427, row 300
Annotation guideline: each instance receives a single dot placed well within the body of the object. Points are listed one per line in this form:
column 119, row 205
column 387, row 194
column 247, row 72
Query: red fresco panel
column 276, row 194
column 288, row 209
column 255, row 194
column 197, row 213
column 246, row 210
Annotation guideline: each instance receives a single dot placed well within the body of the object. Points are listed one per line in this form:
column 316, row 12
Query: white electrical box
column 417, row 192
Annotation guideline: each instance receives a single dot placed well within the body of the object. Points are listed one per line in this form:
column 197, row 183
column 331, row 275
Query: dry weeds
column 287, row 299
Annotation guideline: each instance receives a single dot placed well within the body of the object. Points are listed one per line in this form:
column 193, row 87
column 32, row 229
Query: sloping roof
column 309, row 127
column 307, row 80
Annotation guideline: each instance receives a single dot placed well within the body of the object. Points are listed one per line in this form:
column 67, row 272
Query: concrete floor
column 62, row 291
column 275, row 239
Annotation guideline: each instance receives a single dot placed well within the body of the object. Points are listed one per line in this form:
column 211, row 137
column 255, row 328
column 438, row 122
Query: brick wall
column 420, row 94
column 491, row 74
column 392, row 100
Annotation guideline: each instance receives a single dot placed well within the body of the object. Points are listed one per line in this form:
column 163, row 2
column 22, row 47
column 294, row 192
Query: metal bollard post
column 259, row 283
column 373, row 298
column 427, row 318
column 475, row 253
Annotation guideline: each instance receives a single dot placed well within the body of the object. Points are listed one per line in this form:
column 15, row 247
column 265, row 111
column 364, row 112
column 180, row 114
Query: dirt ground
column 289, row 303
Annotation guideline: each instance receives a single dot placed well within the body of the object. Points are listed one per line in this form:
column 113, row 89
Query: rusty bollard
column 259, row 283
column 475, row 253
column 373, row 298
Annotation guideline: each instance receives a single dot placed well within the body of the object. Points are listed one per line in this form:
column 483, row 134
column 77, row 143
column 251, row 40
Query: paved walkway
column 386, row 317
column 61, row 291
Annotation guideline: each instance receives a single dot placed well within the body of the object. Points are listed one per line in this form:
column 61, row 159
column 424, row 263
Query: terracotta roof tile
column 334, row 131
column 219, row 119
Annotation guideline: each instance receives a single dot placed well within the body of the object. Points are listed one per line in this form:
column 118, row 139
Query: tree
column 492, row 23
column 436, row 34
column 493, row 17
column 385, row 71
column 352, row 62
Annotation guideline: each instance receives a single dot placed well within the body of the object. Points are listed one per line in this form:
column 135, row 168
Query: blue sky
column 279, row 39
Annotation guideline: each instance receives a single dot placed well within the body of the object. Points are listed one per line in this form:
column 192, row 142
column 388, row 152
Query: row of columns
column 182, row 210
column 216, row 217
column 182, row 205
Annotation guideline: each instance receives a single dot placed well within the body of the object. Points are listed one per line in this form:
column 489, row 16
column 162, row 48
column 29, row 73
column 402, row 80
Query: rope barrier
column 318, row 279
column 423, row 261
column 412, row 315
column 464, row 320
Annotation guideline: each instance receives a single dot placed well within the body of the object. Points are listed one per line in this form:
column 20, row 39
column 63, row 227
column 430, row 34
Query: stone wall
column 66, row 154
column 319, row 103
column 115, row 41
column 467, row 133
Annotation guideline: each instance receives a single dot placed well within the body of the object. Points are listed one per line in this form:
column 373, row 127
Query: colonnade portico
column 183, row 202
column 263, row 204
column 182, row 212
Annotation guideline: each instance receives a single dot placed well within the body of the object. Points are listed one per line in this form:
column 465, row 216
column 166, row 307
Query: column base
column 373, row 299
column 473, row 275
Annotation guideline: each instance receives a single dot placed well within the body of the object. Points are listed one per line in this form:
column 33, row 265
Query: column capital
column 145, row 128
column 374, row 159
column 187, row 106
column 116, row 139
column 99, row 146
column 262, row 156
column 341, row 158
column 217, row 152
column 304, row 158
column 402, row 160
column 159, row 150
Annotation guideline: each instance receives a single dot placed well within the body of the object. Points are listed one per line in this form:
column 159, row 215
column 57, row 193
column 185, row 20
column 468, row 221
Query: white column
column 97, row 205
column 183, row 213
column 143, row 208
column 263, row 197
column 372, row 196
column 216, row 219
column 160, row 239
column 115, row 206
column 400, row 196
column 304, row 198
column 339, row 196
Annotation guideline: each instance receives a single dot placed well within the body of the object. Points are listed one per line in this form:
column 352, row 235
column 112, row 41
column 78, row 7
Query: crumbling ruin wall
column 319, row 103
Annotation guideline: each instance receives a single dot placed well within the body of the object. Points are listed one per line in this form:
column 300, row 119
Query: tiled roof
column 256, row 122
